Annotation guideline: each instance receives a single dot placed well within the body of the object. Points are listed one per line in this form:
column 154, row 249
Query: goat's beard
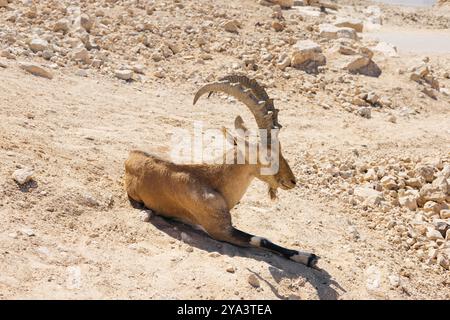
column 273, row 193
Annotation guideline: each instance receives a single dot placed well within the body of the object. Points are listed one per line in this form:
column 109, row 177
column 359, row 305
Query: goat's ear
column 239, row 124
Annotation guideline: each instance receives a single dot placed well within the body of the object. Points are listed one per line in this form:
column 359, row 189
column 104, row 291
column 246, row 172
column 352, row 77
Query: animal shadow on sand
column 280, row 268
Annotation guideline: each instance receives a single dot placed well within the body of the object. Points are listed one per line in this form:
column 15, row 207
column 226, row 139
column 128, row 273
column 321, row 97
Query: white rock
column 373, row 278
column 185, row 237
column 386, row 49
column 146, row 215
column 433, row 234
column 124, row 74
column 22, row 176
column 139, row 68
column 38, row 44
column 394, row 280
column 27, row 231
column 368, row 195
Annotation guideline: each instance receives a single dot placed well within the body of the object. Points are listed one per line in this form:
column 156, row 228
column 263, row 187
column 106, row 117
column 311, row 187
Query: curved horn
column 259, row 92
column 244, row 95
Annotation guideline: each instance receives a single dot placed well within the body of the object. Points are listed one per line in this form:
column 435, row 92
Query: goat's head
column 272, row 167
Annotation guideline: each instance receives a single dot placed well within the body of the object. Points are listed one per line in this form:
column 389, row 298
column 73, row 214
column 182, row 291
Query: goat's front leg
column 213, row 216
column 241, row 238
column 220, row 228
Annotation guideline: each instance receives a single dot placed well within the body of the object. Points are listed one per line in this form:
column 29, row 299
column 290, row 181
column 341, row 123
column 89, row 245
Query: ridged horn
column 259, row 92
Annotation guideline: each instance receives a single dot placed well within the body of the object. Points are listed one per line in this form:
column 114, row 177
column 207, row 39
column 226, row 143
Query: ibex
column 202, row 195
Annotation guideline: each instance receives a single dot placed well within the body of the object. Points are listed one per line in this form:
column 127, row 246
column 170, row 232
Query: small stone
column 124, row 74
column 139, row 68
column 365, row 112
column 408, row 202
column 426, row 171
column 283, row 62
column 36, row 70
column 231, row 26
column 253, row 281
column 230, row 269
column 431, row 206
column 353, row 232
column 391, row 118
column 368, row 195
column 185, row 237
column 62, row 25
column 22, row 176
column 414, row 183
column 27, row 231
column 445, row 214
column 388, row 182
column 277, row 26
column 38, row 44
column 433, row 234
column 81, row 73
column 214, row 254
column 81, row 54
column 394, row 280
column 85, row 21
column 89, row 200
column 443, row 262
column 429, row 92
column 146, row 215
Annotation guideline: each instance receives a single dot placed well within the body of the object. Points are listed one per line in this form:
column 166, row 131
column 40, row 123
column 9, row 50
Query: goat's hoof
column 308, row 259
column 312, row 261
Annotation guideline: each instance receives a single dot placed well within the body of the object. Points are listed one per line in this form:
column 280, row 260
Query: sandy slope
column 76, row 133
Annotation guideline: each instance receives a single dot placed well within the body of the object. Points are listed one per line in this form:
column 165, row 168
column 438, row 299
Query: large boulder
column 360, row 64
column 330, row 31
column 355, row 24
column 307, row 55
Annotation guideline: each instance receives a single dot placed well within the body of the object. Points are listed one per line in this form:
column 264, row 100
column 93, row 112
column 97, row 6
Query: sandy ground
column 71, row 232
column 76, row 133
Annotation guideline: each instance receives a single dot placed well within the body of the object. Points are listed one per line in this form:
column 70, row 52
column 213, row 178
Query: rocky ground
column 365, row 129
